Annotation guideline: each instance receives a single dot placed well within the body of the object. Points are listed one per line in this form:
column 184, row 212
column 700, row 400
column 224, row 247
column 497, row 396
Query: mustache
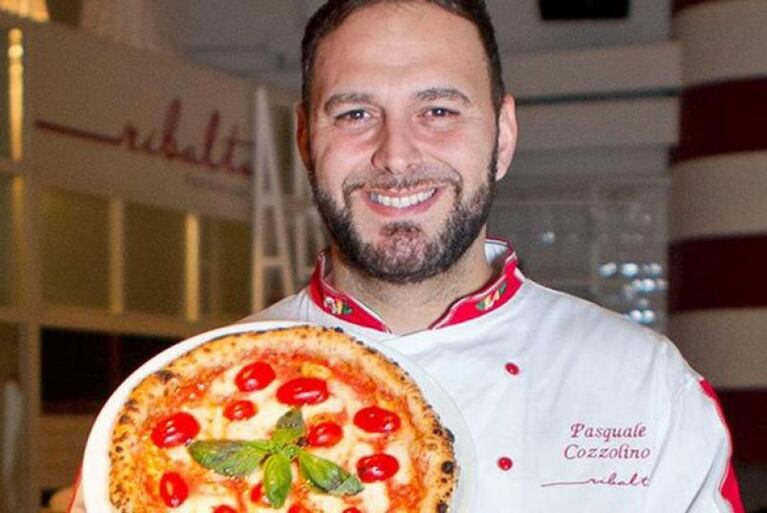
column 419, row 177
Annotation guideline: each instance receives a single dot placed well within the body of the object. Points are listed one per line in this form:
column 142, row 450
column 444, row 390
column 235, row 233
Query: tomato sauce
column 194, row 392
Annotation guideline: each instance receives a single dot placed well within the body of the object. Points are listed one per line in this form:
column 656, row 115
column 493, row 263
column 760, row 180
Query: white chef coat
column 571, row 407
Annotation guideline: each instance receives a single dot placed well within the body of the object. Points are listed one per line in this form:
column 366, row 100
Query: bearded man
column 405, row 128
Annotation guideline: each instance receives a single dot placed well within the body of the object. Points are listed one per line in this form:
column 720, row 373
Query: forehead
column 396, row 43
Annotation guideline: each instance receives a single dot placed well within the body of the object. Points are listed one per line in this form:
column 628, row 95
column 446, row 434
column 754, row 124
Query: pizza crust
column 333, row 345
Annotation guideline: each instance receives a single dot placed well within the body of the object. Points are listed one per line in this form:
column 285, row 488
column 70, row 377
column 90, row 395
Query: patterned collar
column 489, row 298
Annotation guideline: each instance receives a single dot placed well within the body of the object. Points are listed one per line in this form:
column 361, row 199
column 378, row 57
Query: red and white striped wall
column 718, row 210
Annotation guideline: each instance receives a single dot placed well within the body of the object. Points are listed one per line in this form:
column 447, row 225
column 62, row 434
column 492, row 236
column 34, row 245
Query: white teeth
column 401, row 201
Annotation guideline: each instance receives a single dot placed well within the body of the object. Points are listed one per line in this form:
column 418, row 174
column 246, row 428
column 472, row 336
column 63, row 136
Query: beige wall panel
column 604, row 124
column 723, row 195
column 91, row 86
column 726, row 346
column 7, row 246
column 636, row 162
column 722, row 40
column 154, row 273
column 593, row 71
column 74, row 249
column 71, row 164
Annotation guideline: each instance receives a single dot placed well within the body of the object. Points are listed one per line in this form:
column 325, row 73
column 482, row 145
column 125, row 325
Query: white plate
column 95, row 473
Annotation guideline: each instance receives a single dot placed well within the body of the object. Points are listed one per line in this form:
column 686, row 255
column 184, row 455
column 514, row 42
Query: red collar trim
column 489, row 298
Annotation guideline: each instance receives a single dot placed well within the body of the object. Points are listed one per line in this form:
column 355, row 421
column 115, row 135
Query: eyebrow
column 442, row 93
column 341, row 98
column 431, row 94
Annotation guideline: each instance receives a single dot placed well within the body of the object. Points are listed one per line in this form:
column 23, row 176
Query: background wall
column 585, row 203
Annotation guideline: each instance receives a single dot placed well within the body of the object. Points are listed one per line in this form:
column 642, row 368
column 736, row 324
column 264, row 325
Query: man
column 404, row 128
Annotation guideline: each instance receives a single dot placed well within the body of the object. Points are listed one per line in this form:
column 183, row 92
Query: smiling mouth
column 400, row 201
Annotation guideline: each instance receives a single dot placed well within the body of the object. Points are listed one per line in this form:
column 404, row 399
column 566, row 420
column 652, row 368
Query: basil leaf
column 229, row 457
column 277, row 479
column 290, row 451
column 327, row 476
column 351, row 486
column 290, row 428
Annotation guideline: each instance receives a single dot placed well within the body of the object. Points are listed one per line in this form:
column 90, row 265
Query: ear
column 302, row 133
column 507, row 136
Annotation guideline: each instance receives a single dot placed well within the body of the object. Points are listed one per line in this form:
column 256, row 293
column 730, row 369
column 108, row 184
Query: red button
column 512, row 368
column 505, row 463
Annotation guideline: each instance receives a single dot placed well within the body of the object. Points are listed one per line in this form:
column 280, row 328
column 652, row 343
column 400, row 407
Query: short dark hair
column 334, row 12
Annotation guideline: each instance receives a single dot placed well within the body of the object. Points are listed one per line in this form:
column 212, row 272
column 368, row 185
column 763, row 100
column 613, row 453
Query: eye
column 440, row 112
column 352, row 116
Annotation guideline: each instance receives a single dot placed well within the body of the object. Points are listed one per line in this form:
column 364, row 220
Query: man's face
column 402, row 141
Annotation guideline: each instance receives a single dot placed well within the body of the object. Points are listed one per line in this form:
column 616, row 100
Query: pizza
column 297, row 420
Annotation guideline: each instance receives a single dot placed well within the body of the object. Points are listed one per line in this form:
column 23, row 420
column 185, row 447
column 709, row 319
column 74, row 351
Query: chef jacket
column 570, row 407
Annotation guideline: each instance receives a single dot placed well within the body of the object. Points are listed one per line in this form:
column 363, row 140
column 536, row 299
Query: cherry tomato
column 325, row 434
column 257, row 495
column 377, row 467
column 377, row 420
column 298, row 508
column 300, row 391
column 177, row 429
column 254, row 376
column 173, row 489
column 239, row 410
column 351, row 510
column 224, row 509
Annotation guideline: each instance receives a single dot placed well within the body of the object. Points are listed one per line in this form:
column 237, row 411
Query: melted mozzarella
column 342, row 397
column 375, row 498
column 359, row 450
column 224, row 387
column 326, row 503
column 398, row 449
column 179, row 454
column 254, row 478
column 224, row 384
column 257, row 427
column 330, row 405
column 354, row 444
column 204, row 503
column 209, row 419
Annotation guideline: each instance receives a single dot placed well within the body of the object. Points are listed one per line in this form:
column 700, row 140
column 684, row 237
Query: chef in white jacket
column 404, row 127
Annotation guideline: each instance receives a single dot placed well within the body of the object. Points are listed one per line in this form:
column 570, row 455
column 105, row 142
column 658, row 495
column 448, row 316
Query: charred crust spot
column 450, row 435
column 338, row 330
column 448, row 467
column 165, row 375
column 442, row 507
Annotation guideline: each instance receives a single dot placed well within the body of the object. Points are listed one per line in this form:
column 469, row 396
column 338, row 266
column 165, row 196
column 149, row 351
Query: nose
column 396, row 149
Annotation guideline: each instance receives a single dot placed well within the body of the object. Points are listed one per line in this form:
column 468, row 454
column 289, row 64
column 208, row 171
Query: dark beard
column 406, row 256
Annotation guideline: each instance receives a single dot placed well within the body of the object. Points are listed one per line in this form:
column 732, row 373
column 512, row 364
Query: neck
column 412, row 307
